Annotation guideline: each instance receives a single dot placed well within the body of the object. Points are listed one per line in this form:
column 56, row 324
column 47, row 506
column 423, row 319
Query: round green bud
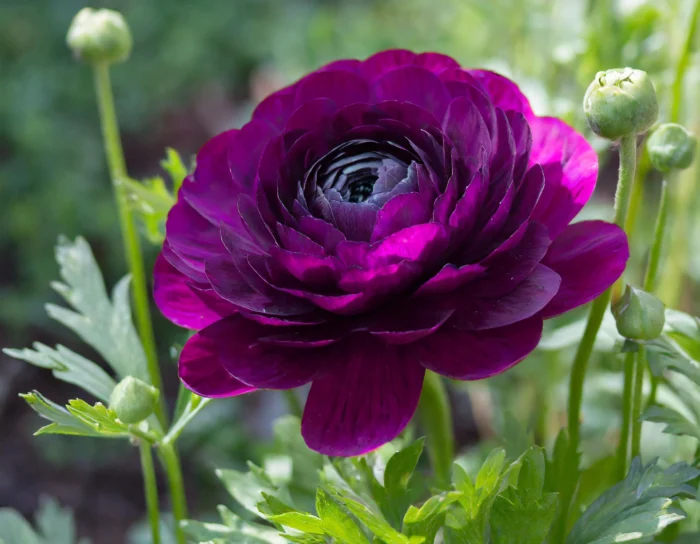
column 133, row 400
column 639, row 315
column 100, row 35
column 671, row 147
column 620, row 102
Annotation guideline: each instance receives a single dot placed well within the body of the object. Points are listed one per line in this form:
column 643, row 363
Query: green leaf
column 676, row 423
column 63, row 422
column 15, row 529
column 69, row 367
column 306, row 463
column 685, row 330
column 99, row 417
column 516, row 520
column 103, row 323
column 215, row 532
column 401, row 466
column 515, row 436
column 532, row 473
column 489, row 474
column 272, row 506
column 427, row 520
column 246, row 488
column 378, row 526
column 662, row 355
column 301, row 521
column 336, row 520
column 639, row 506
column 56, row 524
column 173, row 165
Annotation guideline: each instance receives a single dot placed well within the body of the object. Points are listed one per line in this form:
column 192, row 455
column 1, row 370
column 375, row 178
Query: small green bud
column 100, row 35
column 639, row 315
column 620, row 102
column 133, row 400
column 671, row 147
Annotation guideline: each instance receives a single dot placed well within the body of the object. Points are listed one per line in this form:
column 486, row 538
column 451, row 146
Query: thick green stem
column 130, row 236
column 171, row 464
column 150, row 490
column 639, row 363
column 658, row 243
column 436, row 418
column 627, row 403
column 628, row 162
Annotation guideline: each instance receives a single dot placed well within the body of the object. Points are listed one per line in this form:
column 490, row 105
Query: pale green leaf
column 336, row 520
column 301, row 521
column 375, row 523
column 63, row 421
column 675, row 422
column 14, row 529
column 175, row 168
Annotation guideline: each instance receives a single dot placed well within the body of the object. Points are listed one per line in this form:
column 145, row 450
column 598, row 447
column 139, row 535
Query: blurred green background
column 198, row 68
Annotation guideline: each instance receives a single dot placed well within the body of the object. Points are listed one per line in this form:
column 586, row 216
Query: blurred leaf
column 663, row 355
column 639, row 506
column 515, row 436
column 246, row 488
column 522, row 520
column 531, row 476
column 15, row 529
column 675, row 422
column 55, row 525
column 684, row 329
column 208, row 532
column 69, row 367
column 173, row 165
column 105, row 325
column 306, row 463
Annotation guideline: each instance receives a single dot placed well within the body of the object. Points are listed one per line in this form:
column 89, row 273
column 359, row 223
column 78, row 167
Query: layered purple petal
column 588, row 256
column 365, row 401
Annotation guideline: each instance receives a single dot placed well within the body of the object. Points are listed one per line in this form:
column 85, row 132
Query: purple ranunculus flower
column 376, row 219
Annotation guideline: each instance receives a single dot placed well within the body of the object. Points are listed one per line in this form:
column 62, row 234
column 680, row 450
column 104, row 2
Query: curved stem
column 636, row 418
column 628, row 162
column 150, row 490
column 130, row 237
column 623, row 444
column 436, row 418
column 171, row 464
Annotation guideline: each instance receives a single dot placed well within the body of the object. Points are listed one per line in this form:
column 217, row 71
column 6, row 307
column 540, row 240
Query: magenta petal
column 365, row 402
column 464, row 355
column 526, row 300
column 341, row 86
column 503, row 92
column 234, row 345
column 386, row 61
column 416, row 85
column 571, row 169
column 449, row 278
column 201, row 371
column 466, row 128
column 402, row 211
column 276, row 108
column 589, row 256
column 183, row 304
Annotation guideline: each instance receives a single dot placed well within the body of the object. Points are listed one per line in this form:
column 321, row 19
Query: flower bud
column 100, row 35
column 671, row 147
column 620, row 102
column 639, row 315
column 133, row 400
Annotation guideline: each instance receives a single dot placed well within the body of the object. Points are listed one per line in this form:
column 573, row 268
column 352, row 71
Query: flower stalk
column 150, row 490
column 171, row 463
column 436, row 418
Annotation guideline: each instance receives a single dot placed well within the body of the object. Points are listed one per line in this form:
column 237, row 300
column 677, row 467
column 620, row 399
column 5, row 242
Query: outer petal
column 589, row 256
column 183, row 304
column 466, row 355
column 416, row 85
column 503, row 92
column 233, row 344
column 571, row 169
column 366, row 401
column 200, row 369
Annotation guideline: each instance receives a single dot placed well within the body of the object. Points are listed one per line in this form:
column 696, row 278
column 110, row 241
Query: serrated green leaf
column 663, row 354
column 489, row 474
column 272, row 506
column 639, row 506
column 63, row 421
column 675, row 422
column 69, row 367
column 336, row 520
column 427, row 520
column 301, row 521
column 522, row 521
column 532, row 473
column 401, row 466
column 246, row 488
column 378, row 526
column 103, row 323
column 99, row 417
column 685, row 330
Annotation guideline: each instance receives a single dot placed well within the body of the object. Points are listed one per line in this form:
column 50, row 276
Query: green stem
column 176, row 430
column 150, row 490
column 683, row 63
column 637, row 402
column 436, row 418
column 627, row 403
column 132, row 246
column 293, row 403
column 658, row 243
column 171, row 464
column 628, row 162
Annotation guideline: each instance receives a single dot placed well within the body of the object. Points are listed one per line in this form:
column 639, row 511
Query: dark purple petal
column 201, row 371
column 503, row 92
column 321, row 232
column 234, row 344
column 415, row 85
column 365, row 402
column 276, row 108
column 589, row 256
column 466, row 128
column 464, row 355
column 386, row 61
column 571, row 170
column 383, row 280
column 311, row 269
column 401, row 212
column 450, row 278
column 526, row 300
column 341, row 86
column 408, row 323
column 183, row 304
column 354, row 220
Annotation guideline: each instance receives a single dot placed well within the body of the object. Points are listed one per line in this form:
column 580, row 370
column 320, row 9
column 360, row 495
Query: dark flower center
column 359, row 168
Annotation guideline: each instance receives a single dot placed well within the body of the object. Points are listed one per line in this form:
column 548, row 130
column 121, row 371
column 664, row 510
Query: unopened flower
column 133, row 400
column 639, row 315
column 375, row 219
column 100, row 35
column 671, row 147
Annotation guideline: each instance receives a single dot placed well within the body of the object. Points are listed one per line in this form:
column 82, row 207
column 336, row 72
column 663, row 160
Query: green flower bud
column 620, row 102
column 100, row 35
column 133, row 400
column 639, row 315
column 671, row 147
